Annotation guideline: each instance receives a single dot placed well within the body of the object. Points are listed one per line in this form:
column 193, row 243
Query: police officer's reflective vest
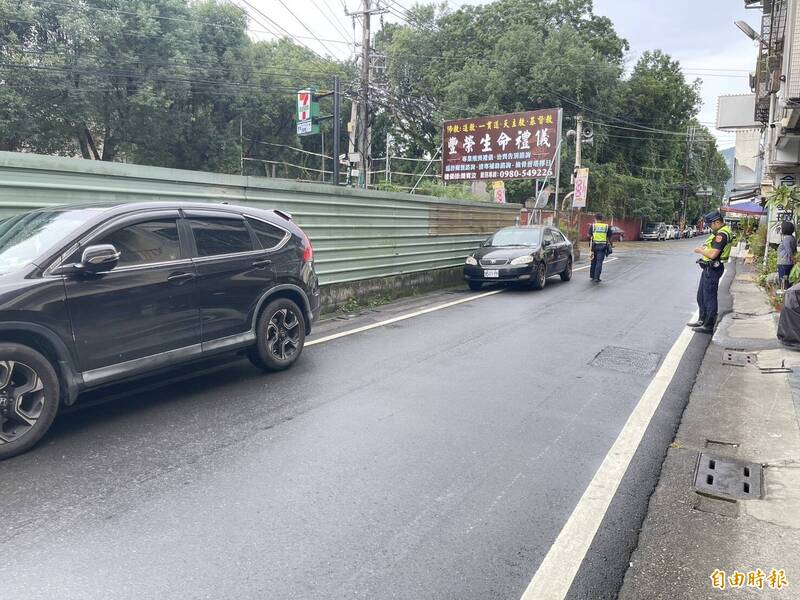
column 726, row 251
column 600, row 233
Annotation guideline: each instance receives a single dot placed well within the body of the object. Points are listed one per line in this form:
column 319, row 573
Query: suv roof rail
column 282, row 214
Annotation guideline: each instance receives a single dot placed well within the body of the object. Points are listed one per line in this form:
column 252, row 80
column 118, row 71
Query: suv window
column 269, row 235
column 548, row 236
column 216, row 236
column 559, row 237
column 147, row 242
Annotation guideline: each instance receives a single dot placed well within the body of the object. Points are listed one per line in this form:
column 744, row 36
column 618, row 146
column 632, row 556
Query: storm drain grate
column 626, row 360
column 738, row 358
column 727, row 477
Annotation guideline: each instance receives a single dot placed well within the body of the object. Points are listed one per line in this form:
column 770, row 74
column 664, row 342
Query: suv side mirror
column 98, row 259
column 548, row 242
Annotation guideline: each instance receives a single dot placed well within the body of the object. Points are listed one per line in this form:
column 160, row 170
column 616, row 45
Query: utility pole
column 686, row 163
column 388, row 169
column 578, row 148
column 364, row 98
column 241, row 146
column 337, row 124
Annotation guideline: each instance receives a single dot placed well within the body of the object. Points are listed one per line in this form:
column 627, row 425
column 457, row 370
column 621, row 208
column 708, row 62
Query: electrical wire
column 299, row 20
column 278, row 26
column 140, row 34
column 214, row 67
column 143, row 76
column 335, row 22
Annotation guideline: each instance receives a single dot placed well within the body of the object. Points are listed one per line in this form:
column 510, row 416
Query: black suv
column 94, row 294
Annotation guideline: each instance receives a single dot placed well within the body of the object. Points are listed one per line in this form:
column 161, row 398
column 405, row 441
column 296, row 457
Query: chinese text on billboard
column 514, row 146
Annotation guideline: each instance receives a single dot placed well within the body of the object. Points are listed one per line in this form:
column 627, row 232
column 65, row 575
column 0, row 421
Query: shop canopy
column 744, row 208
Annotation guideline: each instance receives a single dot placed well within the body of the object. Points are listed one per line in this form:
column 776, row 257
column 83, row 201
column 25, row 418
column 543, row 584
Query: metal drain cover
column 626, row 360
column 739, row 358
column 727, row 477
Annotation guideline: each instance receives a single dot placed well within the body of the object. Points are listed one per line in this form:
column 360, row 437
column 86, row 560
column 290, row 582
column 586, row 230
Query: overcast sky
column 699, row 33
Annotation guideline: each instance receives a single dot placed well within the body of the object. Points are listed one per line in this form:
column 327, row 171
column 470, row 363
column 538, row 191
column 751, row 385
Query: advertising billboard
column 522, row 145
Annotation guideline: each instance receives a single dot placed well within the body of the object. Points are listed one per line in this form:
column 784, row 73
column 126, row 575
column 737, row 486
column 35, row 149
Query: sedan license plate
column 491, row 273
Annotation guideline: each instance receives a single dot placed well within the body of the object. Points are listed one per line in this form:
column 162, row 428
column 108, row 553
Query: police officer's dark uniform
column 714, row 255
column 599, row 233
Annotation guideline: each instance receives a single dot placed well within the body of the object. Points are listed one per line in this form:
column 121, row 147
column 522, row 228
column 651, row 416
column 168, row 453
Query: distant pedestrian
column 713, row 256
column 786, row 253
column 600, row 240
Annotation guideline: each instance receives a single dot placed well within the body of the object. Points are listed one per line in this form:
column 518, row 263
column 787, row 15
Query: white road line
column 558, row 569
column 341, row 334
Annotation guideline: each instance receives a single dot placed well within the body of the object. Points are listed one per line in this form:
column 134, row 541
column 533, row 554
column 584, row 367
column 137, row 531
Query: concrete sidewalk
column 741, row 413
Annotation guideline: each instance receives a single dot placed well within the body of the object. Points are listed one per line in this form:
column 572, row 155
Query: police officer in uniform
column 600, row 238
column 713, row 256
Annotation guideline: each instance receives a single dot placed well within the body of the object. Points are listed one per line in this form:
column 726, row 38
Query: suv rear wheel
column 29, row 396
column 280, row 336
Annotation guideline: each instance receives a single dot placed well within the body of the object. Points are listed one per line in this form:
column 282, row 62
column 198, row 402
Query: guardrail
column 356, row 234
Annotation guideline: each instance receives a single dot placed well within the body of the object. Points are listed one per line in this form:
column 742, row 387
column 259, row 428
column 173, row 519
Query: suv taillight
column 308, row 250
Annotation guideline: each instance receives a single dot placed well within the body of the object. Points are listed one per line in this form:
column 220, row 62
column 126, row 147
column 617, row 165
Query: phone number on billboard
column 523, row 173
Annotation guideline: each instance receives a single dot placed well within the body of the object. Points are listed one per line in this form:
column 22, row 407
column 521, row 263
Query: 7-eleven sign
column 307, row 111
column 304, row 105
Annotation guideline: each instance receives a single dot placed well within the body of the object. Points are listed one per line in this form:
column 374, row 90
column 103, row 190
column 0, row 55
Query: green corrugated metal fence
column 356, row 234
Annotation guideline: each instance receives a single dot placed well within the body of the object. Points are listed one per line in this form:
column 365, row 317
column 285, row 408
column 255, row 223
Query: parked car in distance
column 617, row 234
column 95, row 294
column 524, row 255
column 654, row 231
column 672, row 232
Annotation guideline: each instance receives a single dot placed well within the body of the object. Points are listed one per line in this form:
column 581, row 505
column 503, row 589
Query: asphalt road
column 436, row 457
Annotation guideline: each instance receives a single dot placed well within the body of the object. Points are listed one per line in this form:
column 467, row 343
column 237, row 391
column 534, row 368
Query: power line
column 298, row 19
column 277, row 25
column 140, row 34
column 214, row 67
column 335, row 22
column 132, row 75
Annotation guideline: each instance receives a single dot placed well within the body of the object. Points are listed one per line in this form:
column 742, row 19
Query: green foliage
column 757, row 242
column 355, row 305
column 765, row 270
column 168, row 82
column 162, row 82
column 436, row 188
column 511, row 55
column 748, row 226
column 784, row 196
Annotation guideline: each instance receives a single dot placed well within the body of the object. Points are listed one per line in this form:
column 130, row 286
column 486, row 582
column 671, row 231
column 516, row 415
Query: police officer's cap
column 713, row 216
column 598, row 216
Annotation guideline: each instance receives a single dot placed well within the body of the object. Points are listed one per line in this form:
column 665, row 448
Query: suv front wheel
column 280, row 336
column 29, row 397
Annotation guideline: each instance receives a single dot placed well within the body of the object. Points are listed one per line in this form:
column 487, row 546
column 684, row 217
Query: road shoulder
column 739, row 413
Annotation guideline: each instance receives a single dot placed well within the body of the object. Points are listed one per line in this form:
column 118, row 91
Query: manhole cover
column 626, row 360
column 727, row 477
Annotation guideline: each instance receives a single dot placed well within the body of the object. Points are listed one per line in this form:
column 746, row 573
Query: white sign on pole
column 304, row 127
column 581, row 188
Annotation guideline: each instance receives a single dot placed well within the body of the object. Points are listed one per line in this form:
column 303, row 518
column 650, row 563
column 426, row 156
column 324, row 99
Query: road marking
column 425, row 311
column 555, row 575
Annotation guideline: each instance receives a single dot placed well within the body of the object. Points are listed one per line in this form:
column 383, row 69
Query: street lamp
column 749, row 31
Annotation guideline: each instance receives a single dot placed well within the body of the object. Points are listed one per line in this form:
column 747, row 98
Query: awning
column 744, row 194
column 744, row 208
